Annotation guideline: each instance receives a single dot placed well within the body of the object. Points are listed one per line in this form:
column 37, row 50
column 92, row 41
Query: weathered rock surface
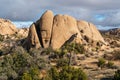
column 6, row 27
column 45, row 25
column 64, row 29
column 89, row 31
column 54, row 31
column 32, row 39
column 23, row 32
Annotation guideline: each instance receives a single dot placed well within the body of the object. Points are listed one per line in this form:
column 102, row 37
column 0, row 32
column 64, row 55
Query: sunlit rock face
column 6, row 27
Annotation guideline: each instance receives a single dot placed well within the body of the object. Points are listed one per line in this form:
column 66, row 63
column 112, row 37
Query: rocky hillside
column 6, row 27
column 55, row 31
column 113, row 32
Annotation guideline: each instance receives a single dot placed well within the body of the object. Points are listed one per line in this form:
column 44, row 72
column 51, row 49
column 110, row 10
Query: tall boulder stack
column 55, row 31
column 6, row 27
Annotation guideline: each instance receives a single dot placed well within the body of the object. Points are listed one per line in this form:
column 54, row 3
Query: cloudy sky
column 99, row 12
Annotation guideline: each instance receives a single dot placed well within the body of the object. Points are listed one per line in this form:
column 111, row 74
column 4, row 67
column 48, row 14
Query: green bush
column 15, row 64
column 101, row 62
column 66, row 73
column 117, row 75
column 79, row 48
column 6, row 68
column 53, row 73
column 110, row 64
column 75, row 47
column 48, row 51
column 60, row 52
column 70, row 73
column 31, row 74
column 26, row 76
column 62, row 63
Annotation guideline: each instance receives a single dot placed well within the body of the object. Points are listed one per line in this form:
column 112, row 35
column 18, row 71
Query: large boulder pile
column 6, row 27
column 54, row 31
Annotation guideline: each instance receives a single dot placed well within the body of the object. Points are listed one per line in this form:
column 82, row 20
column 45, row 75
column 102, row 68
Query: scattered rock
column 23, row 32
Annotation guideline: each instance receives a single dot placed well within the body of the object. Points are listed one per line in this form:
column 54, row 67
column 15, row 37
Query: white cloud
column 80, row 9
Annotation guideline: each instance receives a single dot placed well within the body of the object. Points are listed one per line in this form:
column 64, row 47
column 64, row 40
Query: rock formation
column 64, row 27
column 45, row 26
column 54, row 31
column 6, row 27
column 32, row 39
column 89, row 32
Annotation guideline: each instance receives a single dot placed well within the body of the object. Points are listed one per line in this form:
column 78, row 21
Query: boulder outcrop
column 32, row 39
column 89, row 31
column 45, row 26
column 6, row 27
column 64, row 29
column 54, row 31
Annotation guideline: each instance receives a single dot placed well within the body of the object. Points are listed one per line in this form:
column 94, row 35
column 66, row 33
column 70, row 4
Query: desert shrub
column 31, row 74
column 75, row 47
column 117, row 75
column 26, row 76
column 6, row 68
column 60, row 52
column 67, row 73
column 21, row 60
column 42, row 63
column 79, row 48
column 70, row 73
column 62, row 63
column 101, row 62
column 48, row 51
column 54, row 74
column 1, row 37
column 14, row 64
column 39, row 59
column 34, row 52
column 110, row 64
